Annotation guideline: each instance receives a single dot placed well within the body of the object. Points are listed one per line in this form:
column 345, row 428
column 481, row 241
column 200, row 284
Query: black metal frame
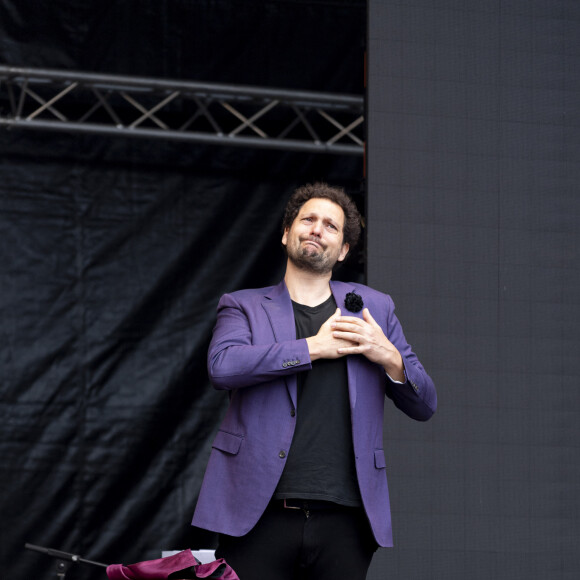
column 115, row 105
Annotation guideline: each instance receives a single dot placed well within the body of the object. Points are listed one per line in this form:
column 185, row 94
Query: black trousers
column 318, row 542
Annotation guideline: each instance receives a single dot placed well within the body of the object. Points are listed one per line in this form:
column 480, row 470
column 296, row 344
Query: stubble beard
column 311, row 259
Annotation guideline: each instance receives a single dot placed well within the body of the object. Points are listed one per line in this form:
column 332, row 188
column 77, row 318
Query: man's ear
column 285, row 237
column 343, row 252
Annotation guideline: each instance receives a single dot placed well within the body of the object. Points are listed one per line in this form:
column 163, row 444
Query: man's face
column 314, row 240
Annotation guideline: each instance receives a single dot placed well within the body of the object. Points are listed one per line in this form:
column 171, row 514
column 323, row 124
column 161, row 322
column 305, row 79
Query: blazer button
column 284, row 365
column 293, row 413
column 282, row 454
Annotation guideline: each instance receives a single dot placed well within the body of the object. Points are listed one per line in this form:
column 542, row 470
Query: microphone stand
column 64, row 560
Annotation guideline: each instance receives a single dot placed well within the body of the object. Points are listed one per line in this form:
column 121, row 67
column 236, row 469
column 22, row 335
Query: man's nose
column 316, row 228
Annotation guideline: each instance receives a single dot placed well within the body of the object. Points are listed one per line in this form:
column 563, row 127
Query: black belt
column 307, row 505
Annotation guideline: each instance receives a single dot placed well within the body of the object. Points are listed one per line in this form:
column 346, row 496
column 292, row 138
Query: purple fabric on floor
column 162, row 568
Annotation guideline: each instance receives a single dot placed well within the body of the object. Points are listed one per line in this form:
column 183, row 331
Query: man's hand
column 324, row 344
column 364, row 336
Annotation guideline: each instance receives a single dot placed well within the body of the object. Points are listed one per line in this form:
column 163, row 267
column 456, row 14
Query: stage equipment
column 64, row 560
column 46, row 99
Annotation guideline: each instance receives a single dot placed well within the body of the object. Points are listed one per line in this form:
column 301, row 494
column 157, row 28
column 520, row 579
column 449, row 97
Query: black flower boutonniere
column 353, row 302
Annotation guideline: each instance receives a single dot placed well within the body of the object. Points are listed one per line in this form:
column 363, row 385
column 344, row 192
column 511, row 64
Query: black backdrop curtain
column 114, row 255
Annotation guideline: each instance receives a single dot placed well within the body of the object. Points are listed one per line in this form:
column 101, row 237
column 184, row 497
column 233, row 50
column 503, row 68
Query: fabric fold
column 181, row 566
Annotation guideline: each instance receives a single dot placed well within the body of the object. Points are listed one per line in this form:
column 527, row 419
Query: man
column 296, row 483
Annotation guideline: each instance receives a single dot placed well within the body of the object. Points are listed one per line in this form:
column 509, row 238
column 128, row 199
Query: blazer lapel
column 278, row 307
column 339, row 291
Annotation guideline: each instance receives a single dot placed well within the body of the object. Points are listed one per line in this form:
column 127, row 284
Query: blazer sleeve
column 237, row 358
column 416, row 397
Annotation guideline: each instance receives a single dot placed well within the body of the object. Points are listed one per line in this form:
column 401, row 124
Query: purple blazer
column 255, row 355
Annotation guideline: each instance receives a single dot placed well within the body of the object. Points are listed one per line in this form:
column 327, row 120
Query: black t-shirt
column 320, row 464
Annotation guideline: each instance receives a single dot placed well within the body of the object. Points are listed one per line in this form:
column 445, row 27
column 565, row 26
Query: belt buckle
column 291, row 507
column 304, row 508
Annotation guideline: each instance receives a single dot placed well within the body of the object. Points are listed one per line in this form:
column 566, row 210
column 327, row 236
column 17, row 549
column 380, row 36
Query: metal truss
column 245, row 116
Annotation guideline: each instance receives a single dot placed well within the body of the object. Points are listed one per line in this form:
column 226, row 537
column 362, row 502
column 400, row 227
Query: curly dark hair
column 352, row 218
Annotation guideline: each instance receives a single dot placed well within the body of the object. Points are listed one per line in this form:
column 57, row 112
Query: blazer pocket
column 380, row 462
column 227, row 442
